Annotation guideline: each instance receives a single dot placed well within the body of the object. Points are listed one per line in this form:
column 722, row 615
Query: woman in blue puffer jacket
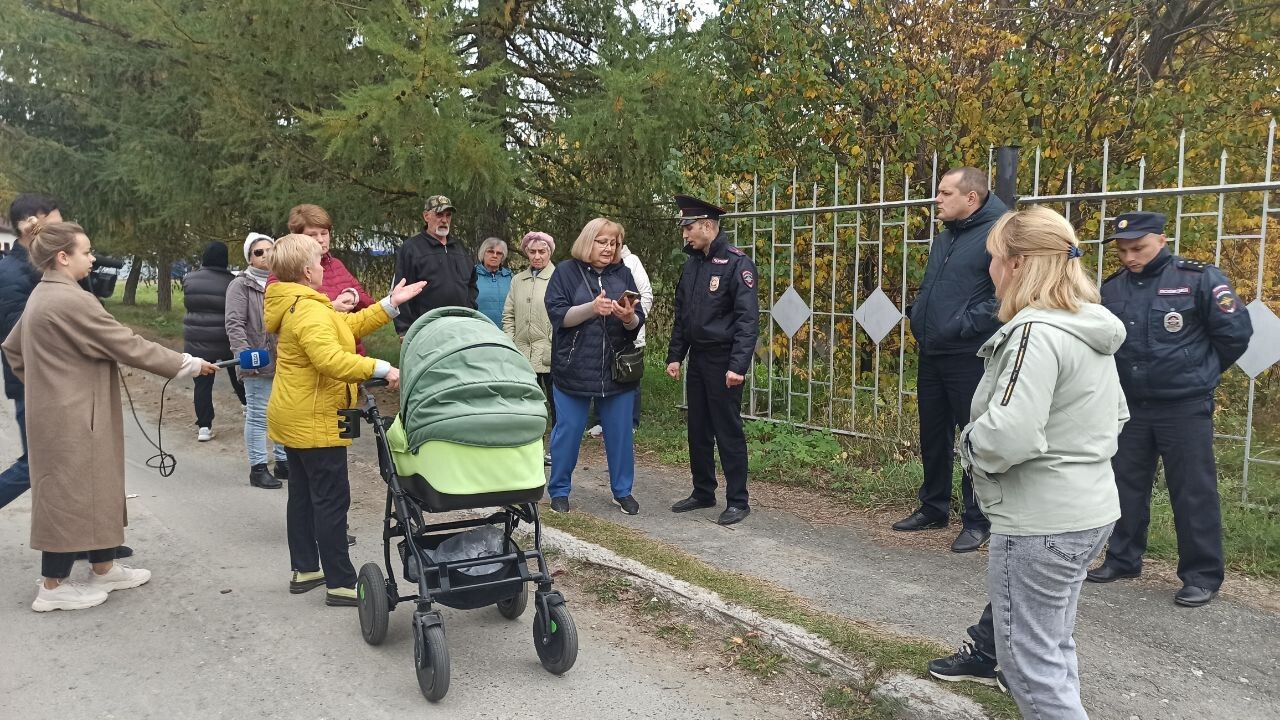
column 591, row 320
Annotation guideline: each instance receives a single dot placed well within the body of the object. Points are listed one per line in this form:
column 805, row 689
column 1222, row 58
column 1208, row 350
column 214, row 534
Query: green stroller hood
column 463, row 381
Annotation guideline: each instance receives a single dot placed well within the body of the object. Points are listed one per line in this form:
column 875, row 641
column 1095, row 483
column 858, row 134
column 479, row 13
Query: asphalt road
column 215, row 634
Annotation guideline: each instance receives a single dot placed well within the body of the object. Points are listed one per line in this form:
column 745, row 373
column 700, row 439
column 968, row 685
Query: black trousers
column 544, row 382
column 715, row 420
column 984, row 634
column 204, row 395
column 1180, row 433
column 58, row 565
column 319, row 497
column 944, row 391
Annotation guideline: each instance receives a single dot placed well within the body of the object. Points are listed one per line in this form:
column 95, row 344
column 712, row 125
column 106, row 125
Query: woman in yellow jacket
column 317, row 372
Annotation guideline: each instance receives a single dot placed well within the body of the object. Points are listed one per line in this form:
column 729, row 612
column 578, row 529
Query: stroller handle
column 376, row 382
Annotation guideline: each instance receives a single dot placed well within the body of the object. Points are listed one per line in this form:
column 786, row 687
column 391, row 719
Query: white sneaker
column 119, row 577
column 595, row 431
column 69, row 595
column 205, row 434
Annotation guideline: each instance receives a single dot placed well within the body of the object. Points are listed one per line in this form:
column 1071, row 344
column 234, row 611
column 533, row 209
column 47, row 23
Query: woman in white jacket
column 1045, row 422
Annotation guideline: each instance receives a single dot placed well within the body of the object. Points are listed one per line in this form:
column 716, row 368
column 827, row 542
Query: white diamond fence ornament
column 791, row 312
column 877, row 315
column 1264, row 346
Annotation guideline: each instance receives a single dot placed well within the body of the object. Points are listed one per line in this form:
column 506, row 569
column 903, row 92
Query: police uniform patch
column 1184, row 290
column 719, row 261
column 748, row 279
column 715, row 283
column 1122, row 224
column 1173, row 321
column 1223, row 298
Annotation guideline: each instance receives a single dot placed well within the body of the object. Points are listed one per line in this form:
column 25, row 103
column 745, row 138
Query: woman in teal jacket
column 493, row 280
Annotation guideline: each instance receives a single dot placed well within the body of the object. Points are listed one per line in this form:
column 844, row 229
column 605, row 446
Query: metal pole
column 1007, row 173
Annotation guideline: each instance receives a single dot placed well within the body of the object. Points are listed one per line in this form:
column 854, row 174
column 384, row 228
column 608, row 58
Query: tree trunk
column 131, row 283
column 164, row 286
column 497, row 20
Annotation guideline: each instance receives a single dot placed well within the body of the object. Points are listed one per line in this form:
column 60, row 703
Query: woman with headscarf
column 524, row 313
column 246, row 331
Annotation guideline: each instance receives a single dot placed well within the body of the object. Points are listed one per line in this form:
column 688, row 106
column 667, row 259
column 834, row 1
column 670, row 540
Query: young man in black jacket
column 446, row 265
column 952, row 316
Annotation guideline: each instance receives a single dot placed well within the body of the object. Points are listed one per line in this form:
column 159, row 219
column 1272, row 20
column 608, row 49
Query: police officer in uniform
column 716, row 325
column 1185, row 326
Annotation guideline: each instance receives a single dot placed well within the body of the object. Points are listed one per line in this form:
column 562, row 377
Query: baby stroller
column 468, row 436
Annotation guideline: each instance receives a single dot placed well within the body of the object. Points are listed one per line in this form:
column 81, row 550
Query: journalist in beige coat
column 524, row 316
column 67, row 349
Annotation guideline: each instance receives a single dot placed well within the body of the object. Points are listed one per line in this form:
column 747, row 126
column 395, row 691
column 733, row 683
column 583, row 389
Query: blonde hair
column 1050, row 276
column 49, row 239
column 291, row 255
column 303, row 216
column 581, row 249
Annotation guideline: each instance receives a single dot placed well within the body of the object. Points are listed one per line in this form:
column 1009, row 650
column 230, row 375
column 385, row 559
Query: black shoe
column 123, row 551
column 692, row 503
column 1192, row 596
column 919, row 520
column 351, row 540
column 282, row 470
column 965, row 664
column 259, row 477
column 733, row 514
column 1108, row 573
column 970, row 539
column 628, row 505
column 560, row 504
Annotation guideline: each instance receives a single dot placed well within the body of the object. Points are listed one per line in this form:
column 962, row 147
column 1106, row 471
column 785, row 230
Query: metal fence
column 836, row 278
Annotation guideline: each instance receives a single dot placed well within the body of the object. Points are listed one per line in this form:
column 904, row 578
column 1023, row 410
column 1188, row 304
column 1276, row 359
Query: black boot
column 282, row 469
column 259, row 477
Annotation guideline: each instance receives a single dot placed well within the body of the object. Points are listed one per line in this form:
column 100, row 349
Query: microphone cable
column 162, row 462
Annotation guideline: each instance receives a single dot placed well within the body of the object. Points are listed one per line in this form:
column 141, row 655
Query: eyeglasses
column 260, row 252
column 604, row 242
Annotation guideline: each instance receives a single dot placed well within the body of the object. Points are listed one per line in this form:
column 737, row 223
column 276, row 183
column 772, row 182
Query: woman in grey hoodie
column 1045, row 422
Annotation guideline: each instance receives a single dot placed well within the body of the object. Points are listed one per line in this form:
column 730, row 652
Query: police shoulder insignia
column 1192, row 265
column 1225, row 299
column 734, row 249
column 749, row 278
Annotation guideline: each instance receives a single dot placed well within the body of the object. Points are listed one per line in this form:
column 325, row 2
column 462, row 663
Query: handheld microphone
column 251, row 359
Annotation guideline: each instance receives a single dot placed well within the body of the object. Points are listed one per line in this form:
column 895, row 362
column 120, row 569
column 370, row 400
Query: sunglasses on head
column 259, row 252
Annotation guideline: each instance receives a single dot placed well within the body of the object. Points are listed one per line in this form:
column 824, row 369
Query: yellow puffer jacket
column 317, row 367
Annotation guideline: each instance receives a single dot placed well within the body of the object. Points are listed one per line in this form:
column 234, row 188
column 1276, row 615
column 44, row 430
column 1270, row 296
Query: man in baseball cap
column 445, row 264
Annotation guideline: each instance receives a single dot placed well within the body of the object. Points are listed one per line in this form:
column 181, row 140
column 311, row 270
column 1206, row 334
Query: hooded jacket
column 244, row 323
column 492, row 289
column 204, row 295
column 317, row 368
column 1046, row 419
column 18, row 277
column 955, row 311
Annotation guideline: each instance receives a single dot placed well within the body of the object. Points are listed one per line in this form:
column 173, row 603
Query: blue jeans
column 257, row 391
column 566, row 439
column 1034, row 583
column 17, row 479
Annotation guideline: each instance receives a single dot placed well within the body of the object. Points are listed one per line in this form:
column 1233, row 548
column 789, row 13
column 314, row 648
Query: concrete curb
column 920, row 699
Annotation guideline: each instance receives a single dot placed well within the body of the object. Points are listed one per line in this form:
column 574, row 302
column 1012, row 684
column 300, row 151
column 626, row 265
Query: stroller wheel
column 558, row 655
column 371, row 601
column 514, row 607
column 431, row 658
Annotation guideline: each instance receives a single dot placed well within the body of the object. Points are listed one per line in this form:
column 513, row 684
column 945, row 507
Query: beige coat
column 65, row 349
column 524, row 317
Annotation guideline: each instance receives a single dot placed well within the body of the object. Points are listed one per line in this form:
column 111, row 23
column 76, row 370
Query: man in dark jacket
column 204, row 332
column 1186, row 325
column 717, row 318
column 445, row 264
column 952, row 316
column 18, row 277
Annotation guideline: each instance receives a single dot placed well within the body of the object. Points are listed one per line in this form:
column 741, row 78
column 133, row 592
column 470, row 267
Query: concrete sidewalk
column 1141, row 656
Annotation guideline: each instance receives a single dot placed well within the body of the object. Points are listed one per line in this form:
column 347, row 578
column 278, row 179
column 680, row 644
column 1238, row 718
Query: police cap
column 691, row 209
column 1133, row 225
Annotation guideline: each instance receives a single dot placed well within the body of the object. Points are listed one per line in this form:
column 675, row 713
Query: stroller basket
column 461, row 586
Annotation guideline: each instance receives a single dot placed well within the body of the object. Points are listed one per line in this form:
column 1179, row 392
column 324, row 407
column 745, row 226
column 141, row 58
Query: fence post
column 1007, row 174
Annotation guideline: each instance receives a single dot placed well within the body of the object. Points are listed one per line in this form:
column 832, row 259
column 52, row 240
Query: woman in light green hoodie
column 1045, row 422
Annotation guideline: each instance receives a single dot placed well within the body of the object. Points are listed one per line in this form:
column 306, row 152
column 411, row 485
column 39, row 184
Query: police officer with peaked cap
column 1185, row 326
column 716, row 325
